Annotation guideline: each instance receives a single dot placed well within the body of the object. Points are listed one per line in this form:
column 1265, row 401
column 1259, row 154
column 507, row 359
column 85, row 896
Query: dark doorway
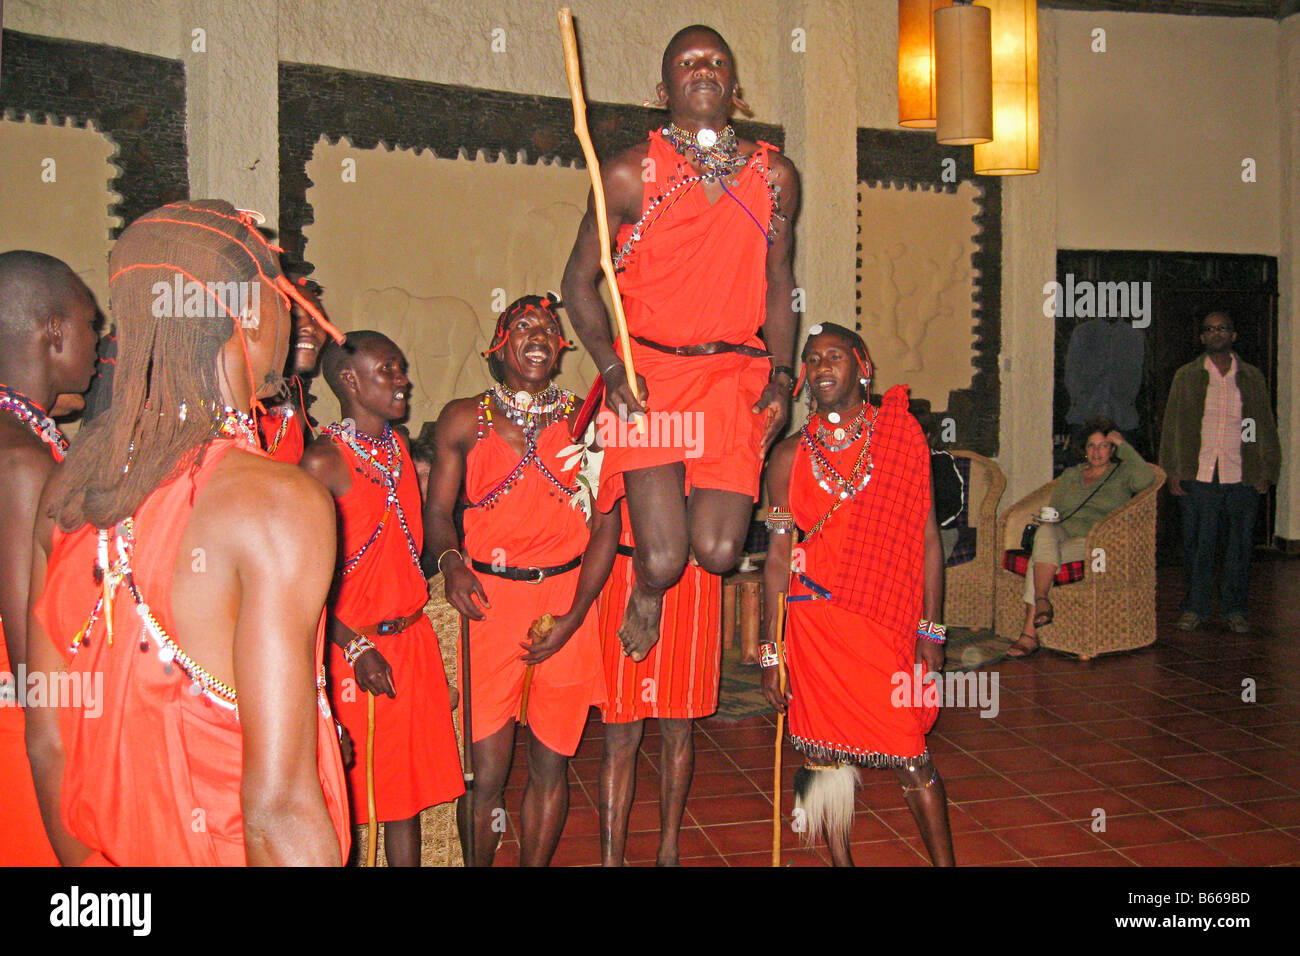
column 1184, row 286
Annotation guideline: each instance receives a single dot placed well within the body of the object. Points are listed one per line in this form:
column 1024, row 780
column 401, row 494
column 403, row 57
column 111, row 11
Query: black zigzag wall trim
column 136, row 100
column 371, row 110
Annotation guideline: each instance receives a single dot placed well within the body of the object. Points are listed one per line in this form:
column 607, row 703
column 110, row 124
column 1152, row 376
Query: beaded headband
column 548, row 304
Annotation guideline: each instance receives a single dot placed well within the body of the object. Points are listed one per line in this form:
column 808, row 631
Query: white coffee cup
column 1049, row 515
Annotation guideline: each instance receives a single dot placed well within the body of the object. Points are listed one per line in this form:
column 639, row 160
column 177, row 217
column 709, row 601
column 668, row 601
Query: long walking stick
column 573, row 69
column 467, row 740
column 372, row 828
column 780, row 732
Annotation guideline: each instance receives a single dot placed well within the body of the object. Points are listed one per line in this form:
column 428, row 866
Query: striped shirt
column 1221, row 426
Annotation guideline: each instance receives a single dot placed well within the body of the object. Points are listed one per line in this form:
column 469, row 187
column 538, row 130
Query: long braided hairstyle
column 166, row 359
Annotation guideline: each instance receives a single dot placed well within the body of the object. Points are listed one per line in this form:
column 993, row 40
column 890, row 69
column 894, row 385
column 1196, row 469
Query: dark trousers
column 1211, row 510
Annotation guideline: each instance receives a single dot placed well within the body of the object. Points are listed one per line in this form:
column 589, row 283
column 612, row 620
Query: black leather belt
column 707, row 348
column 535, row 575
column 627, row 550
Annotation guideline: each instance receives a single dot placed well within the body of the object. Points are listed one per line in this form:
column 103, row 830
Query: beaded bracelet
column 779, row 522
column 356, row 648
column 932, row 632
column 767, row 654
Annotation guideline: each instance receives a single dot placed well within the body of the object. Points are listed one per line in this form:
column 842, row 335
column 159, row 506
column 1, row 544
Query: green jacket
column 1180, row 434
column 1088, row 504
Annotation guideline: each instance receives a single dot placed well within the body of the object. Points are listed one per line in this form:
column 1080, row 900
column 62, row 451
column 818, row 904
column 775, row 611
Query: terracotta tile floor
column 1157, row 744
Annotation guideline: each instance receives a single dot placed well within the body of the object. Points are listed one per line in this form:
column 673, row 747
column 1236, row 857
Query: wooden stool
column 743, row 591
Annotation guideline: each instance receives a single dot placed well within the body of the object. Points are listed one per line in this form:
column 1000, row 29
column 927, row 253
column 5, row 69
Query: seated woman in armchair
column 1111, row 473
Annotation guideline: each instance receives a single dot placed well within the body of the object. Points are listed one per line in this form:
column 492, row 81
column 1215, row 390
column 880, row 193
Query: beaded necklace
column 286, row 419
column 843, row 489
column 35, row 418
column 718, row 155
column 385, row 473
column 531, row 432
column 532, row 413
column 838, row 437
column 110, row 574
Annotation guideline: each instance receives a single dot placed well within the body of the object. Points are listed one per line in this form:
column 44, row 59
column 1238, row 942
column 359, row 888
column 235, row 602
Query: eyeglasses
column 1215, row 328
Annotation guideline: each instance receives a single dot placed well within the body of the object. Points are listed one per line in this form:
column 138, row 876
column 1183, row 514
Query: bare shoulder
column 271, row 505
column 22, row 454
column 783, row 169
column 457, row 424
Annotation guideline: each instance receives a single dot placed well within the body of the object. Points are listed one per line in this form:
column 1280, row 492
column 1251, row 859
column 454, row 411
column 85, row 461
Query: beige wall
column 1152, row 133
column 56, row 196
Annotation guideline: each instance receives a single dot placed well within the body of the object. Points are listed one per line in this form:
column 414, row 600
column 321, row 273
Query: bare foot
column 640, row 630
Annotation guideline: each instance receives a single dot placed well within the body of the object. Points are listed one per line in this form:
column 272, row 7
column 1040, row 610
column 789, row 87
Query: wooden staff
column 780, row 732
column 573, row 69
column 537, row 631
column 467, row 741
column 372, row 828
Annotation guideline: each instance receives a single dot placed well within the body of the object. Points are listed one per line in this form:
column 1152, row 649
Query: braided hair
column 164, row 362
column 549, row 305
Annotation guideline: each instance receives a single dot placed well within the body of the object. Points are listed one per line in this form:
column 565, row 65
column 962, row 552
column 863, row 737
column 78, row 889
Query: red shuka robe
column 679, row 677
column 697, row 275
column 845, row 666
column 154, row 780
column 533, row 524
column 417, row 763
column 281, row 434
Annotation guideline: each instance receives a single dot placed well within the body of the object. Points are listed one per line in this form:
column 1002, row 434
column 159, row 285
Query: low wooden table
column 743, row 591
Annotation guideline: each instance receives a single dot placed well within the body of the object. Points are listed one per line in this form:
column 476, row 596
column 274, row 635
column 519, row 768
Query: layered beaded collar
column 558, row 409
column 717, row 155
column 35, row 418
column 827, row 475
column 386, row 473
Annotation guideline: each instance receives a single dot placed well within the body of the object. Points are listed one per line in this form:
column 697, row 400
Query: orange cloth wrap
column 843, row 666
column 417, row 762
column 24, row 842
column 678, row 679
column 532, row 525
column 697, row 275
column 154, row 780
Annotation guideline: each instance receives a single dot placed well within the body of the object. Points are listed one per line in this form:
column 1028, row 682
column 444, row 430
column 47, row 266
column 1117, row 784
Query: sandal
column 1015, row 645
column 1043, row 618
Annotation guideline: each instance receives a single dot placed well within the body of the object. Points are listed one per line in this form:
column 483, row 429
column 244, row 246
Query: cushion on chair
column 964, row 549
column 1017, row 562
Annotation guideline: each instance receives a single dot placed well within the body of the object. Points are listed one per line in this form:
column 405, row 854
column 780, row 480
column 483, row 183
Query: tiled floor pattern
column 1150, row 758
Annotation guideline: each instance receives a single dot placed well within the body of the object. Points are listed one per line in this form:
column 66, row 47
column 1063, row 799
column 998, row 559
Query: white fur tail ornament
column 823, row 802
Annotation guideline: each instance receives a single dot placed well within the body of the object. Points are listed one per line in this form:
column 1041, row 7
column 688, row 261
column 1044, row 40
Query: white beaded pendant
column 706, row 138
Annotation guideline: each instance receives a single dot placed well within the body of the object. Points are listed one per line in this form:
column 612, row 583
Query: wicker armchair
column 968, row 587
column 1114, row 610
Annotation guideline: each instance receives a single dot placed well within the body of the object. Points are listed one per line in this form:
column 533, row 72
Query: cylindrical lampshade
column 963, row 78
column 1014, row 150
column 916, row 94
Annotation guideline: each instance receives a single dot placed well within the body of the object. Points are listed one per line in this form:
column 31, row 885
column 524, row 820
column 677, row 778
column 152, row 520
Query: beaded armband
column 779, row 522
column 767, row 654
column 356, row 648
column 930, row 631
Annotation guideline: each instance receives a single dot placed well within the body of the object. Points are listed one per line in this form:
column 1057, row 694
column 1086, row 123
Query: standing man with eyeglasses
column 1220, row 448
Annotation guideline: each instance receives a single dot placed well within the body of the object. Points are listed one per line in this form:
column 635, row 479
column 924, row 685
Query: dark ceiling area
column 1269, row 9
